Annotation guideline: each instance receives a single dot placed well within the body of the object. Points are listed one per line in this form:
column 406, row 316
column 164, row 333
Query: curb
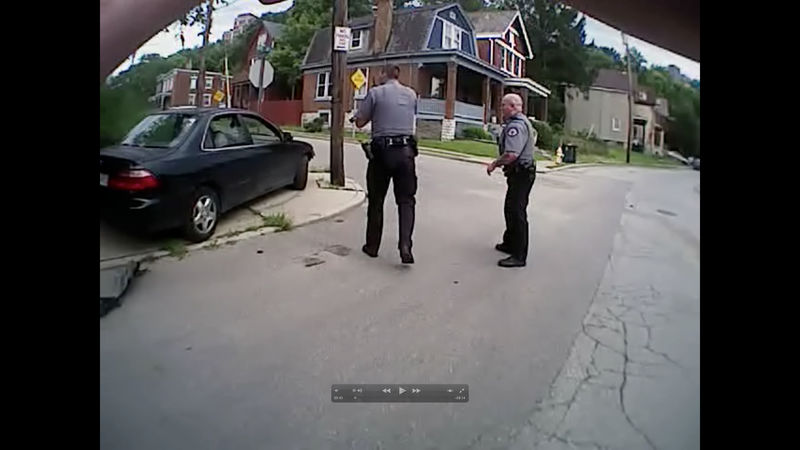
column 153, row 255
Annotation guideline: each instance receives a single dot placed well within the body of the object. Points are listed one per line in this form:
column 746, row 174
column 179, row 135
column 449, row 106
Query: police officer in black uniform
column 391, row 107
column 516, row 146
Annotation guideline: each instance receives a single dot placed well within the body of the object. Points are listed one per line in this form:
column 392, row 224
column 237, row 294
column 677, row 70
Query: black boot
column 511, row 262
column 405, row 255
column 502, row 248
column 371, row 253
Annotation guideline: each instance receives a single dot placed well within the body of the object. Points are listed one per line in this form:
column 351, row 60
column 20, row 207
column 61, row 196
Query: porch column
column 487, row 105
column 544, row 110
column 497, row 97
column 449, row 122
column 524, row 94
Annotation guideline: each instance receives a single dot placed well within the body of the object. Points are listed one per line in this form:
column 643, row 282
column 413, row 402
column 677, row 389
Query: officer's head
column 389, row 72
column 512, row 104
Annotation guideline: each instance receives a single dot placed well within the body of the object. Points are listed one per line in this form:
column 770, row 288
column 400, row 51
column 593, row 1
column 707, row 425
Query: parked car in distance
column 696, row 163
column 184, row 168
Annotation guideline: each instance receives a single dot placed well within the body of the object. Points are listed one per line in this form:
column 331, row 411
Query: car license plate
column 103, row 179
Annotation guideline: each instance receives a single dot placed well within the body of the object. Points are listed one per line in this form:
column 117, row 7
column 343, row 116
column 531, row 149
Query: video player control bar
column 404, row 393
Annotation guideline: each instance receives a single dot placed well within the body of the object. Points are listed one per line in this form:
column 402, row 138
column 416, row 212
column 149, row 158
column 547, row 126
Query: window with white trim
column 361, row 92
column 324, row 85
column 192, row 98
column 437, row 87
column 615, row 124
column 451, row 35
column 325, row 115
column 209, row 82
column 356, row 39
column 206, row 99
column 193, row 83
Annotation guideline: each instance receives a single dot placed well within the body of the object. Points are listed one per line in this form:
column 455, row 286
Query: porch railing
column 435, row 106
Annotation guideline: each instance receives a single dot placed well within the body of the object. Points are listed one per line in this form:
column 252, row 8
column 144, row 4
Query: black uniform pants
column 396, row 164
column 515, row 238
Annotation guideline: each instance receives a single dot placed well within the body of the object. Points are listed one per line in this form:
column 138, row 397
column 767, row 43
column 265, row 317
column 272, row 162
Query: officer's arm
column 515, row 139
column 364, row 113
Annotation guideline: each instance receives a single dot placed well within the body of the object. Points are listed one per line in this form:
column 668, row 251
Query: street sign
column 358, row 79
column 218, row 96
column 255, row 71
column 341, row 39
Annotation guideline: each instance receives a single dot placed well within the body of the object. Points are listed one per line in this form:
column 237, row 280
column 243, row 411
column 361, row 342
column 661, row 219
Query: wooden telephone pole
column 630, row 100
column 339, row 78
column 201, row 79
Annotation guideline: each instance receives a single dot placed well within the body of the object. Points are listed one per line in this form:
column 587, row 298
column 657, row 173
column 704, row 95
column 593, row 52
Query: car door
column 277, row 164
column 231, row 159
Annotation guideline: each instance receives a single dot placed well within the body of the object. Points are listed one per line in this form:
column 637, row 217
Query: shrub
column 313, row 126
column 476, row 133
column 545, row 132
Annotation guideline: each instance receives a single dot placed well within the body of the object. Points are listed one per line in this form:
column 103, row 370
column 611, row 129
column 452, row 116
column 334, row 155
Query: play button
column 401, row 390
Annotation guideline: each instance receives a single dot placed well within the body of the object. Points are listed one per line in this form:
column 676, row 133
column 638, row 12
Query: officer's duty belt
column 392, row 141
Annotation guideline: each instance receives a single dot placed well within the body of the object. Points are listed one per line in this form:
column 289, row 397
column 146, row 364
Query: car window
column 260, row 131
column 226, row 131
column 160, row 130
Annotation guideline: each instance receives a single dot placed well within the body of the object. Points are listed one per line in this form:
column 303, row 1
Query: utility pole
column 630, row 100
column 201, row 79
column 261, row 79
column 338, row 74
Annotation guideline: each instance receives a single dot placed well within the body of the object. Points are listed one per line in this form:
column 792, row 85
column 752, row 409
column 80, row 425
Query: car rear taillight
column 133, row 180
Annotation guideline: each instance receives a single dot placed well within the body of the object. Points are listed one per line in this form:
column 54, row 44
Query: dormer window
column 451, row 36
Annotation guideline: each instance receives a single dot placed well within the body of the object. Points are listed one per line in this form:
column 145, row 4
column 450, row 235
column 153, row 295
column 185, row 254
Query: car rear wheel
column 203, row 215
column 301, row 177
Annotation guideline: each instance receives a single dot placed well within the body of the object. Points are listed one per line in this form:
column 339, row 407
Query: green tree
column 557, row 38
column 467, row 5
column 303, row 21
column 683, row 133
column 638, row 63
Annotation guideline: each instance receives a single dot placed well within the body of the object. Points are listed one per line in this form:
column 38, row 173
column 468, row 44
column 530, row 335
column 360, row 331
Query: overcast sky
column 167, row 43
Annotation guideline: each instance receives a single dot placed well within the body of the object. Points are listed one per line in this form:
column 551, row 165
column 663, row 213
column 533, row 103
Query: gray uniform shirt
column 391, row 108
column 519, row 137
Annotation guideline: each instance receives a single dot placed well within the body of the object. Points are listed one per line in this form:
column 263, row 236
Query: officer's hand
column 490, row 168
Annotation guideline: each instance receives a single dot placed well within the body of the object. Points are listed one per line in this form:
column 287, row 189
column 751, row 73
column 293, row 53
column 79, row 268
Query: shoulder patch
column 513, row 131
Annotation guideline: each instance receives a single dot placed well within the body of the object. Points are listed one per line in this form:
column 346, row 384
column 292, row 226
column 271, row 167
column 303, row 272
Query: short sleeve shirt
column 391, row 108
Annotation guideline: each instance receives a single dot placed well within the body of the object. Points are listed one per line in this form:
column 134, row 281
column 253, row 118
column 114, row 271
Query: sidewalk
column 316, row 202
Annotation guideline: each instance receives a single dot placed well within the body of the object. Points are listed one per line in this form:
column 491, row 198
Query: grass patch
column 278, row 220
column 176, row 248
column 467, row 147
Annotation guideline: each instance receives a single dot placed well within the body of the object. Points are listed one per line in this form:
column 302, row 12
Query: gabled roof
column 491, row 21
column 409, row 33
column 611, row 79
column 495, row 23
column 273, row 28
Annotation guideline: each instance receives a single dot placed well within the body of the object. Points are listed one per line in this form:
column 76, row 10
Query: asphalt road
column 237, row 347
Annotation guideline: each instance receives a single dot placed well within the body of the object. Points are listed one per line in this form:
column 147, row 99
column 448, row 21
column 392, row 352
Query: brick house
column 460, row 65
column 240, row 24
column 243, row 92
column 178, row 87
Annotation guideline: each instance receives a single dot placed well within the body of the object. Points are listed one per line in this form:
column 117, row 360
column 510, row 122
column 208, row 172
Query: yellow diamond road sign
column 218, row 96
column 358, row 79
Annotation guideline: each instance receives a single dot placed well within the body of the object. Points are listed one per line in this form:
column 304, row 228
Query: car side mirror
column 287, row 137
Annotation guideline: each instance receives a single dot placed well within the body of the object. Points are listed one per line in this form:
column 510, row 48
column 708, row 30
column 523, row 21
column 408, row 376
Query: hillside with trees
column 557, row 34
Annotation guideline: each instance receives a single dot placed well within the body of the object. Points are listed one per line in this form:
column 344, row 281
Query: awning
column 528, row 84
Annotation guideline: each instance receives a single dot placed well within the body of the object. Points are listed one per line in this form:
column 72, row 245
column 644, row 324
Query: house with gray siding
column 602, row 110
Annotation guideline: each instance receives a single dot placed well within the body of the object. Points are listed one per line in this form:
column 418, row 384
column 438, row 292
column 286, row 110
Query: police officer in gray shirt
column 391, row 107
column 516, row 146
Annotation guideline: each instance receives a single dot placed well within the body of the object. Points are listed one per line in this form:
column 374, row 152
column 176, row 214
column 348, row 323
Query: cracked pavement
column 631, row 380
column 238, row 347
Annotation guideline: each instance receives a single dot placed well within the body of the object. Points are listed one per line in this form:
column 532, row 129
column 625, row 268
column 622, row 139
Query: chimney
column 382, row 26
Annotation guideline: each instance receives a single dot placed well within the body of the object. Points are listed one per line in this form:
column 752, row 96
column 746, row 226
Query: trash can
column 570, row 153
